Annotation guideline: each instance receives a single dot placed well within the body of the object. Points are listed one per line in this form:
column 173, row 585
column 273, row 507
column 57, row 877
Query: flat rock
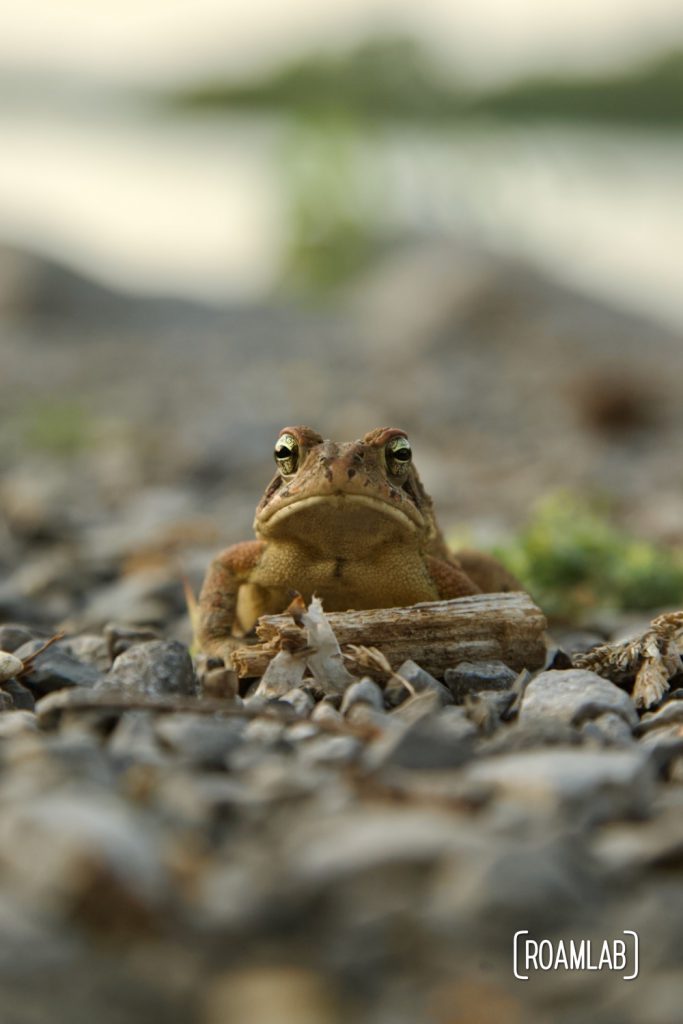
column 573, row 696
column 330, row 750
column 88, row 648
column 668, row 714
column 55, row 669
column 601, row 784
column 610, row 729
column 154, row 668
column 82, row 850
column 471, row 677
column 422, row 681
column 201, row 740
column 431, row 742
column 365, row 691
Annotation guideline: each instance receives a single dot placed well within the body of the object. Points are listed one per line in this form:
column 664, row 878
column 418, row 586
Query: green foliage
column 331, row 205
column 651, row 93
column 395, row 78
column 58, row 428
column 383, row 76
column 572, row 559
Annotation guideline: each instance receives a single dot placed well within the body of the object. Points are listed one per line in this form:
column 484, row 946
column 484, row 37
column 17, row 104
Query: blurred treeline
column 393, row 77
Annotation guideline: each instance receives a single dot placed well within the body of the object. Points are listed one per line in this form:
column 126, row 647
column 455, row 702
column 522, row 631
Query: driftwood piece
column 435, row 634
column 645, row 664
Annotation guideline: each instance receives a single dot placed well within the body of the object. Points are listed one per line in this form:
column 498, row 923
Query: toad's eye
column 398, row 455
column 287, row 454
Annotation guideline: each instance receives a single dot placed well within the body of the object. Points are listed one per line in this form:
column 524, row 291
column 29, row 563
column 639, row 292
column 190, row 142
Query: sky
column 150, row 40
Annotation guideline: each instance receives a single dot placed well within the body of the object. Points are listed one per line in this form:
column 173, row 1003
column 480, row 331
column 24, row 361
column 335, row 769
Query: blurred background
column 465, row 220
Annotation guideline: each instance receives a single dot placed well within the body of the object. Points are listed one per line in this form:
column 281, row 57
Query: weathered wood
column 435, row 634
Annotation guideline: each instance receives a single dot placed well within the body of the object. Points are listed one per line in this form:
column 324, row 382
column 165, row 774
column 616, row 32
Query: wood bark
column 436, row 634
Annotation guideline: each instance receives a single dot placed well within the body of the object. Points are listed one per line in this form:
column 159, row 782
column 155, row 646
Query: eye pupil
column 402, row 454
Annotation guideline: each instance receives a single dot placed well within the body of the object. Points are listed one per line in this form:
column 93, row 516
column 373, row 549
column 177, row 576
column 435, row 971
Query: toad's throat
column 344, row 512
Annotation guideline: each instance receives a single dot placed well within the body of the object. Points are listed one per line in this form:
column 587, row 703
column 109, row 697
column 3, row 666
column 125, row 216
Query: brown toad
column 349, row 522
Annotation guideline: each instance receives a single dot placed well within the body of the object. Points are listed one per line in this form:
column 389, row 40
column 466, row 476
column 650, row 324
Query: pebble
column 421, row 681
column 21, row 696
column 665, row 742
column 330, row 750
column 472, row 677
column 55, row 669
column 324, row 711
column 299, row 699
column 10, row 666
column 6, row 702
column 155, row 668
column 89, row 648
column 608, row 728
column 134, row 740
column 430, row 742
column 572, row 696
column 202, row 740
column 80, row 852
column 14, row 723
column 593, row 784
column 422, row 704
column 12, row 637
column 365, row 691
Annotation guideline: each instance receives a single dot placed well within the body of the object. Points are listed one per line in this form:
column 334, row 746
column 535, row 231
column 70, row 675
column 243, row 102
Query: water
column 200, row 207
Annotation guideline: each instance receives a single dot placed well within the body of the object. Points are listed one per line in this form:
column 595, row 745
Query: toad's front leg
column 218, row 598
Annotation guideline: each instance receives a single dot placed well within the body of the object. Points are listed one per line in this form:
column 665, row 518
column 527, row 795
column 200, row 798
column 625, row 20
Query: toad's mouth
column 342, row 512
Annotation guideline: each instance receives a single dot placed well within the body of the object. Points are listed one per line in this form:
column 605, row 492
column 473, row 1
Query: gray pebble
column 134, row 739
column 471, row 677
column 488, row 708
column 155, row 668
column 12, row 637
column 6, row 701
column 665, row 744
column 421, row 680
column 365, row 691
column 90, row 649
column 202, row 740
column 420, row 706
column 573, row 696
column 13, row 723
column 266, row 731
column 668, row 714
column 600, row 784
column 21, row 696
column 299, row 732
column 519, row 736
column 55, row 669
column 608, row 728
column 300, row 700
column 326, row 712
column 337, row 750
column 433, row 742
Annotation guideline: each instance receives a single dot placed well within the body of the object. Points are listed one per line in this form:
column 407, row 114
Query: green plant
column 330, row 202
column 573, row 559
column 56, row 427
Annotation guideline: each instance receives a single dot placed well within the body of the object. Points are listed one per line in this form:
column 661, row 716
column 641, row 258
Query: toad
column 349, row 522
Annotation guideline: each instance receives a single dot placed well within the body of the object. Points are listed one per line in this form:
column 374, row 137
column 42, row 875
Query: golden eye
column 287, row 454
column 398, row 455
